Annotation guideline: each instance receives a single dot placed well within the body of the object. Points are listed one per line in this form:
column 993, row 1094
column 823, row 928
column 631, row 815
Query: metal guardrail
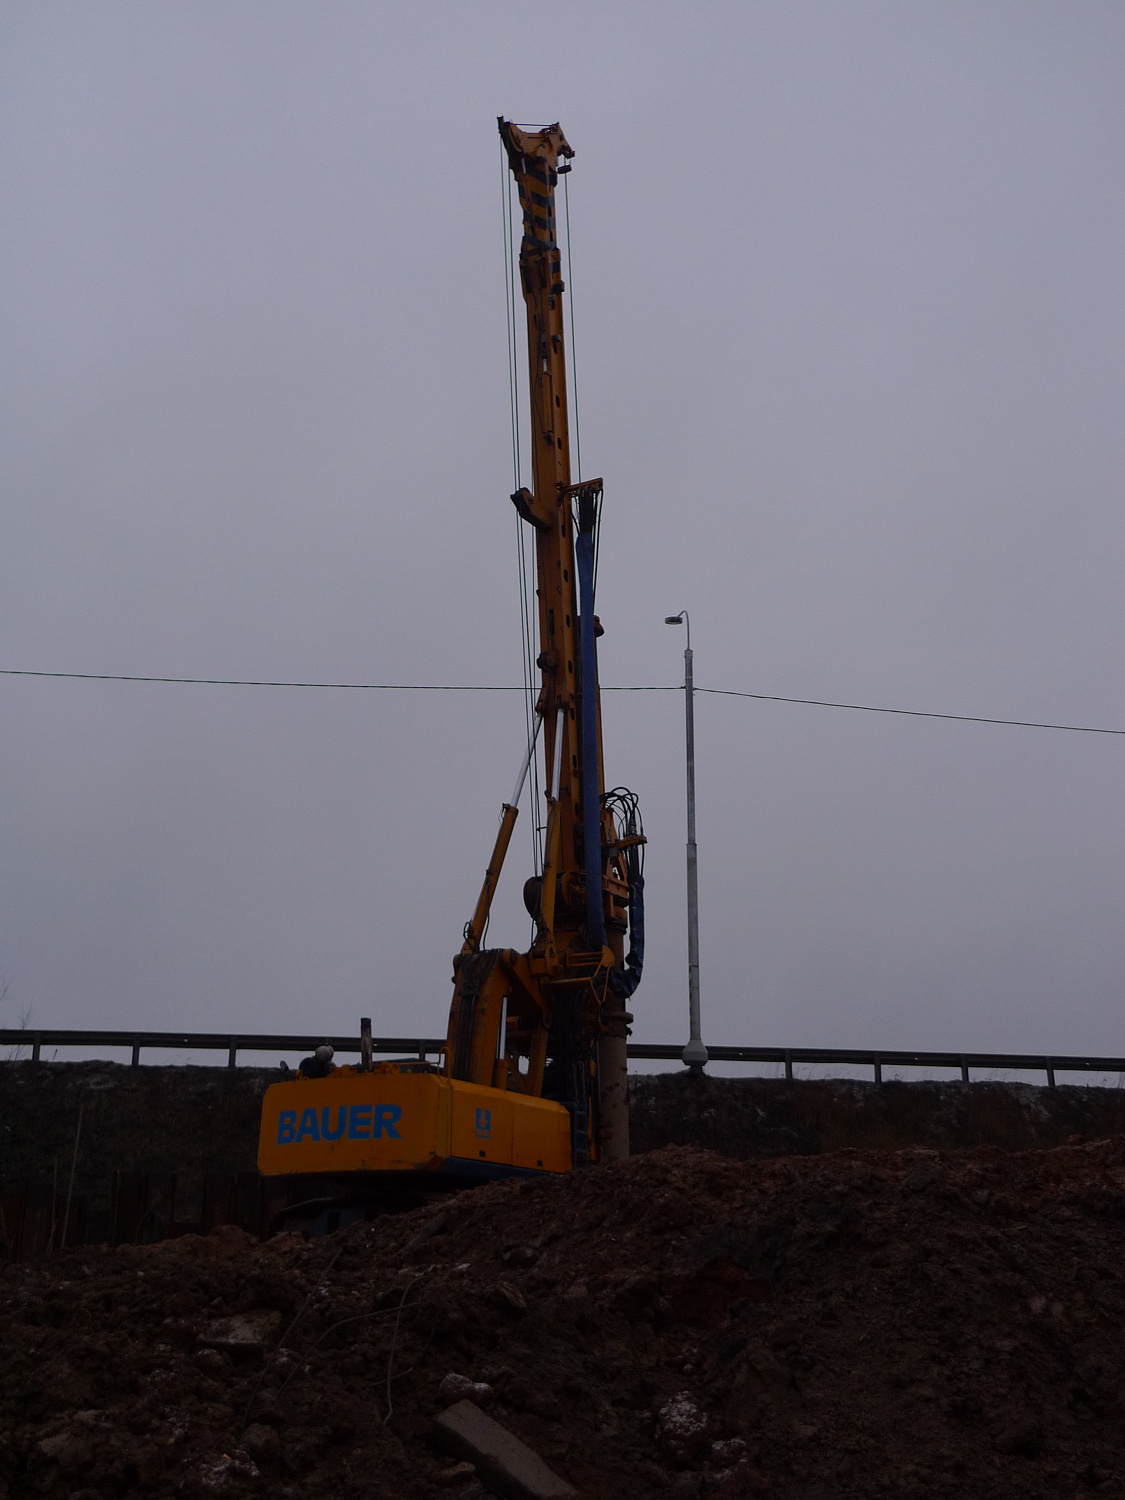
column 861, row 1057
column 213, row 1041
column 422, row 1047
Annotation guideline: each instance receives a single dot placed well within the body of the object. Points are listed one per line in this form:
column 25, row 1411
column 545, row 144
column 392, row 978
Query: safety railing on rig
column 34, row 1041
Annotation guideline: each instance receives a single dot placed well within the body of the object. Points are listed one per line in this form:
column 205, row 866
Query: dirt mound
column 908, row 1323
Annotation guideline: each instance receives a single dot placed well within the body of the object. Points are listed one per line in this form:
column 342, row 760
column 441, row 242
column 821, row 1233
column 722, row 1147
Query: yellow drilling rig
column 532, row 1077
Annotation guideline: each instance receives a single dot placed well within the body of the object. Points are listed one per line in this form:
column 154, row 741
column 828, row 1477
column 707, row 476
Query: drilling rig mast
column 537, row 1039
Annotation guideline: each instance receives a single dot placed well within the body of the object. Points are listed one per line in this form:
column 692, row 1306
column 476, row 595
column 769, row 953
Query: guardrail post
column 35, row 1050
column 789, row 1067
column 136, row 1055
column 1050, row 1075
column 878, row 1065
column 232, row 1056
column 964, row 1071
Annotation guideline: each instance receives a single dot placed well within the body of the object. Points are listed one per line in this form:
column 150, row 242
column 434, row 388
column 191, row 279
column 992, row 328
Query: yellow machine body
column 407, row 1118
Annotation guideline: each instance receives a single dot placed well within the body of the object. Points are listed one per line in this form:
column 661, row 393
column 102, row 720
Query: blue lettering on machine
column 360, row 1122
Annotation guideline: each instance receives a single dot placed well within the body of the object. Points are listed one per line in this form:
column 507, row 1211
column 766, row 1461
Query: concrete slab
column 509, row 1467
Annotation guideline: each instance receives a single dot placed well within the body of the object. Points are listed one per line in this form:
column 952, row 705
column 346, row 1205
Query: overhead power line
column 359, row 687
column 912, row 713
column 472, row 687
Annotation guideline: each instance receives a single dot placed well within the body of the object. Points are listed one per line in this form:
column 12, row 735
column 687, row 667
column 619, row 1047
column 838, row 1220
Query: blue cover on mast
column 588, row 656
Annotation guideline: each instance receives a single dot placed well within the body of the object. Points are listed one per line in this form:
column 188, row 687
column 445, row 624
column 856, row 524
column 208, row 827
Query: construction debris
column 907, row 1324
column 508, row 1466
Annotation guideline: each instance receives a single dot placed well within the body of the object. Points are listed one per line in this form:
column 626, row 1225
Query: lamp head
column 673, row 619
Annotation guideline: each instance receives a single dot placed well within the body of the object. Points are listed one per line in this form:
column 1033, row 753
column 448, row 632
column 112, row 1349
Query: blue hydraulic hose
column 624, row 981
column 591, row 795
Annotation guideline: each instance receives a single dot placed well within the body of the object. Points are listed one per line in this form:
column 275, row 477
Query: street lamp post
column 695, row 1053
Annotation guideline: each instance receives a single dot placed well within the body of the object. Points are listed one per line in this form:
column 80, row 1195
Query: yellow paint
column 398, row 1118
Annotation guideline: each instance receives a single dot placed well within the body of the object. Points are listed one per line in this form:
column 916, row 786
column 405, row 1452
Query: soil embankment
column 762, row 1117
column 190, row 1121
column 195, row 1121
column 910, row 1323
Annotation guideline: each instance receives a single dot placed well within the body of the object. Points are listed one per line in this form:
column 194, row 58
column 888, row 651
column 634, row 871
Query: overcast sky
column 849, row 308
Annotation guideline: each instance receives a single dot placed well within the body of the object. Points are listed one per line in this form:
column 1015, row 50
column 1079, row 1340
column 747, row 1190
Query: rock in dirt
column 507, row 1466
column 227, row 1470
column 682, row 1427
column 244, row 1333
column 460, row 1388
column 509, row 1297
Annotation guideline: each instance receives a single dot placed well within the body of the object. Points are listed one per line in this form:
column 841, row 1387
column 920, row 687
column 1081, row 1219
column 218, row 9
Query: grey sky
column 849, row 307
